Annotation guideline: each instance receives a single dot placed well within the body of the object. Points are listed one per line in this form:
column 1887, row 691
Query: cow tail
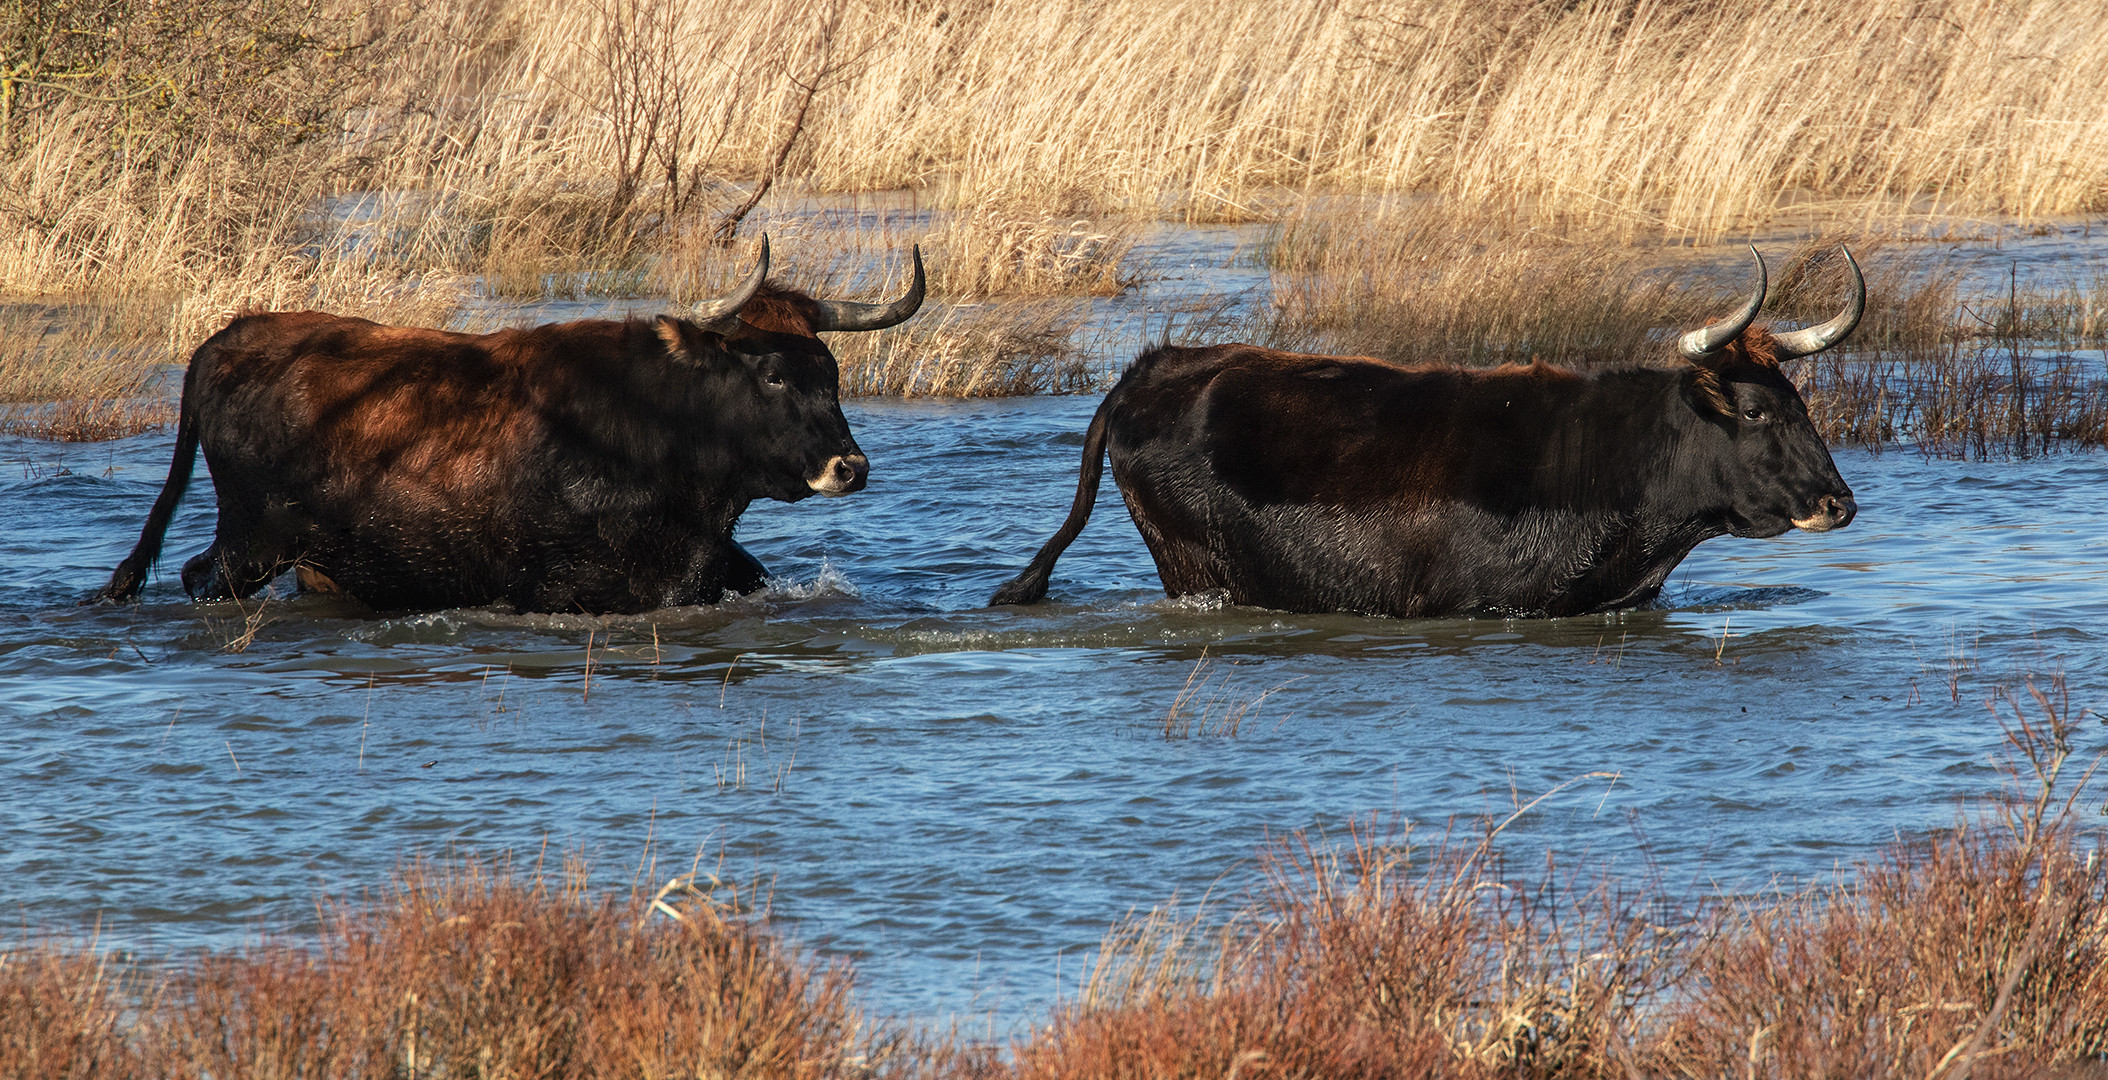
column 131, row 573
column 1030, row 586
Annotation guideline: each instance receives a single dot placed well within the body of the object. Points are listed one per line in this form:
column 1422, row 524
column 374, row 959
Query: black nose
column 850, row 471
column 1839, row 509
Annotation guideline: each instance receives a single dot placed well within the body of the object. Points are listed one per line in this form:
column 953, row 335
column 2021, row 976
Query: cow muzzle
column 1831, row 512
column 841, row 475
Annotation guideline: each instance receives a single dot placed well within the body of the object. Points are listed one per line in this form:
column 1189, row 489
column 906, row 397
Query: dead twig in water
column 587, row 695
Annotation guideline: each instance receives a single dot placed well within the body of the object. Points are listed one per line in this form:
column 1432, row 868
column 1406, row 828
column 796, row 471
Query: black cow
column 592, row 466
column 1329, row 483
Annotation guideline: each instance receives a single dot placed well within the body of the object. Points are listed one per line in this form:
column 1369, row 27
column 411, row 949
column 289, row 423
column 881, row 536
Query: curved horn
column 848, row 315
column 710, row 311
column 1704, row 342
column 1815, row 339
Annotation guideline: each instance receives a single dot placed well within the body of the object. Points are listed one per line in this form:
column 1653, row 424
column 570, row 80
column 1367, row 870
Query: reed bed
column 1702, row 119
column 1705, row 117
column 236, row 151
column 1948, row 372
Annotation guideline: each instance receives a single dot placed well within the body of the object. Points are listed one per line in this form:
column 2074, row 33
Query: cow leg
column 201, row 576
column 743, row 573
column 248, row 550
column 212, row 575
column 718, row 573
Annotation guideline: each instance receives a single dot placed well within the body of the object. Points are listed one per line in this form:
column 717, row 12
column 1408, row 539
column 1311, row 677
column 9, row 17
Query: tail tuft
column 1029, row 587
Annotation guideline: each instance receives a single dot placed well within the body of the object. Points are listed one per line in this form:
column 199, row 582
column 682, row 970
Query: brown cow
column 1345, row 483
column 590, row 466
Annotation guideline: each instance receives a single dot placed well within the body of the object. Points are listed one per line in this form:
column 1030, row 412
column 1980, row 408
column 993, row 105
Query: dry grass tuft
column 1978, row 951
column 81, row 370
column 476, row 970
column 999, row 248
column 1983, row 950
column 971, row 350
column 1382, row 958
column 88, row 420
column 1421, row 281
column 63, row 1013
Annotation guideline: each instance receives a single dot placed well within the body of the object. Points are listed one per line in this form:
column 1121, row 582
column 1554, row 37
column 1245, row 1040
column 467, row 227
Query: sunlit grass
column 400, row 163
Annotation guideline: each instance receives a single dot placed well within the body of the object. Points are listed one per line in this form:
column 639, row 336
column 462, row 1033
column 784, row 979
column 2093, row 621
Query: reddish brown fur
column 593, row 464
column 779, row 310
column 1755, row 347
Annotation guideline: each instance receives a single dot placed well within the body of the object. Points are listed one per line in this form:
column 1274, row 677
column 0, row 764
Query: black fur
column 588, row 466
column 1318, row 483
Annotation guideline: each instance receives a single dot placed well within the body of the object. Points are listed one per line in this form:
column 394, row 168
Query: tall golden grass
column 1698, row 119
column 611, row 146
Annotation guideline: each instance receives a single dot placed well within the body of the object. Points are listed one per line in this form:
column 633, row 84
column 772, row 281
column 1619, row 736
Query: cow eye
column 1753, row 413
column 773, row 378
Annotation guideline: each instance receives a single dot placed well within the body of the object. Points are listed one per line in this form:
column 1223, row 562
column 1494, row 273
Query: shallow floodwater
column 962, row 799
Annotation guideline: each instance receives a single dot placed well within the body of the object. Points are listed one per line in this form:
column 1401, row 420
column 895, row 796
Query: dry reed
column 595, row 146
column 477, row 970
column 1380, row 958
column 993, row 350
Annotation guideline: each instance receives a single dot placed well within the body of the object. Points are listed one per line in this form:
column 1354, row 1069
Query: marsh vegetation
column 1980, row 950
column 447, row 163
column 1476, row 183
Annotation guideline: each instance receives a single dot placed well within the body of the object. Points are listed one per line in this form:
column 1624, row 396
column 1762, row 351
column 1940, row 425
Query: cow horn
column 710, row 311
column 849, row 315
column 1815, row 339
column 1705, row 341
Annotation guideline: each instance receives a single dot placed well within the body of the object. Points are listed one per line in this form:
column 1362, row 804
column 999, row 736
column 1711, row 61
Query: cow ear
column 684, row 339
column 1707, row 382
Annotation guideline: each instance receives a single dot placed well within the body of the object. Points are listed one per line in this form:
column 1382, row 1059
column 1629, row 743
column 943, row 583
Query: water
column 964, row 800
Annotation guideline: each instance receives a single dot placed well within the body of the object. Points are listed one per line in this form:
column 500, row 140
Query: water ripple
column 960, row 797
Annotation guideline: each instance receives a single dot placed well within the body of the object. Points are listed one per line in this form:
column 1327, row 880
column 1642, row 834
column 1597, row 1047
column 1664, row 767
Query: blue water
column 964, row 800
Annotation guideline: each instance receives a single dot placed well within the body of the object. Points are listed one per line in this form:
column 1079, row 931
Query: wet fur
column 1323, row 483
column 588, row 466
